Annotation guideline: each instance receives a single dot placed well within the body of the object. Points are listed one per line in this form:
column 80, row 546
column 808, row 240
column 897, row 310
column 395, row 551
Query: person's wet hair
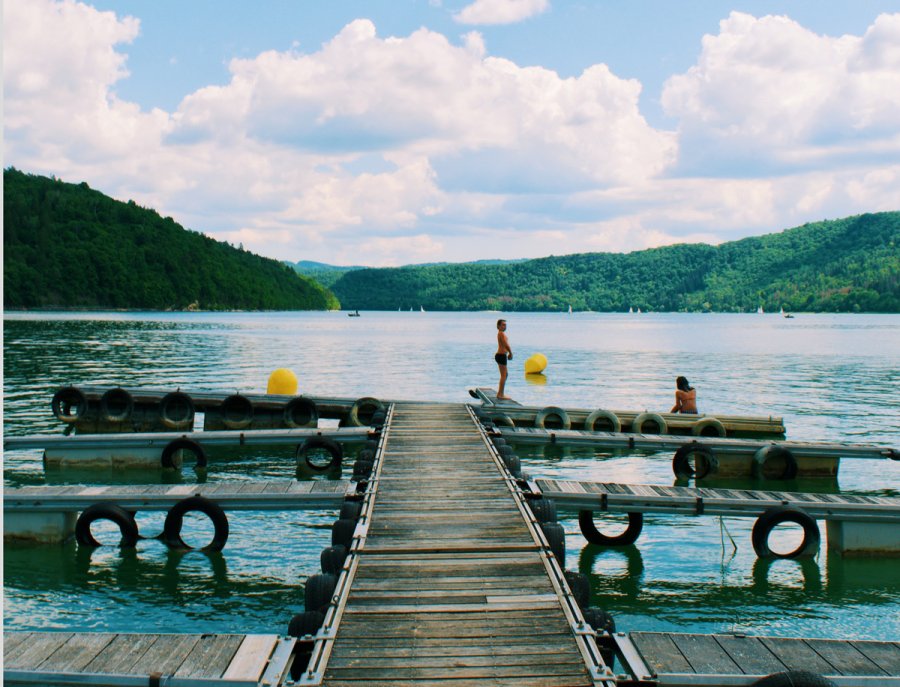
column 683, row 384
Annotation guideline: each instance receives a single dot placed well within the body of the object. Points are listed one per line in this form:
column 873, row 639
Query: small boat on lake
column 353, row 314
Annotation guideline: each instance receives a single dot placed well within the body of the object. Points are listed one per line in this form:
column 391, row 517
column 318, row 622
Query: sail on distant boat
column 570, row 309
column 421, row 309
column 759, row 311
column 631, row 311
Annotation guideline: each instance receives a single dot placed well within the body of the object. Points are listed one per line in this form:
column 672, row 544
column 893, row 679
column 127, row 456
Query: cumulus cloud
column 768, row 93
column 500, row 11
column 392, row 150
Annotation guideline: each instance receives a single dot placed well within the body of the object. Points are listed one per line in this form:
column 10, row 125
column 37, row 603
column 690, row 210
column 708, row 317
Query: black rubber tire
column 350, row 510
column 306, row 623
column 362, row 469
column 300, row 663
column 552, row 413
column 362, row 411
column 168, row 454
column 709, row 427
column 332, row 559
column 556, row 540
column 503, row 420
column 300, row 412
column 599, row 619
column 793, row 678
column 498, row 442
column 580, row 586
column 544, row 509
column 706, row 461
column 237, row 411
column 608, row 416
column 69, row 404
column 514, row 465
column 176, row 410
column 637, row 425
column 773, row 517
column 319, row 591
column 371, row 445
column 106, row 511
column 116, row 405
column 332, row 447
column 342, row 532
column 595, row 536
column 366, row 454
column 774, row 451
column 171, row 534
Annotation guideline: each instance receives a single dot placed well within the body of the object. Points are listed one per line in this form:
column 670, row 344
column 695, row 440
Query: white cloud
column 500, row 11
column 393, row 150
column 772, row 93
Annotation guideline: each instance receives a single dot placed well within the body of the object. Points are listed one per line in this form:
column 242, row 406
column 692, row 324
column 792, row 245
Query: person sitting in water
column 685, row 397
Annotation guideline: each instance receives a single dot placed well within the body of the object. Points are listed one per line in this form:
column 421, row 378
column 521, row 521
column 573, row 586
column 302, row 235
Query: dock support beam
column 850, row 538
column 38, row 527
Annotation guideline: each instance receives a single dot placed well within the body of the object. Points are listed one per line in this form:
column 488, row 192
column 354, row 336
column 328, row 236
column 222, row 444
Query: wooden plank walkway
column 106, row 658
column 651, row 498
column 719, row 445
column 449, row 583
column 670, row 659
column 230, row 494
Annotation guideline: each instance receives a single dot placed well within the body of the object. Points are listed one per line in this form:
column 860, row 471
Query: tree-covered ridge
column 68, row 246
column 847, row 265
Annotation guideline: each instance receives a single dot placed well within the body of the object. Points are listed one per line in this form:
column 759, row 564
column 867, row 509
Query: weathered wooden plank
column 750, row 654
column 845, row 657
column 121, row 654
column 250, row 659
column 31, row 654
column 796, row 654
column 704, row 654
column 165, row 655
column 886, row 655
column 79, row 650
column 210, row 657
column 660, row 652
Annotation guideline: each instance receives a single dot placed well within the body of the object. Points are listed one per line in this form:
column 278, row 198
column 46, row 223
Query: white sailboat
column 421, row 309
column 570, row 309
column 759, row 311
column 631, row 311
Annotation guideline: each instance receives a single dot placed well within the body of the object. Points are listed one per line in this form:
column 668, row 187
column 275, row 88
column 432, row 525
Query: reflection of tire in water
column 625, row 582
column 767, row 570
column 178, row 560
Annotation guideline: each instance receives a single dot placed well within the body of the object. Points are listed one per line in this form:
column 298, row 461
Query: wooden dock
column 652, row 498
column 449, row 581
column 769, row 426
column 669, row 659
column 139, row 660
column 720, row 446
column 282, row 494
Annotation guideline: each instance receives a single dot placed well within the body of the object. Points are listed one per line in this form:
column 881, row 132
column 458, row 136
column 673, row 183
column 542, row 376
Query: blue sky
column 393, row 133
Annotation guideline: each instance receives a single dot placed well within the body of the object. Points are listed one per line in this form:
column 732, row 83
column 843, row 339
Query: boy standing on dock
column 504, row 353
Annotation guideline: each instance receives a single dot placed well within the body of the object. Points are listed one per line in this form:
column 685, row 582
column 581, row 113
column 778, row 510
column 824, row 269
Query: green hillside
column 847, row 265
column 68, row 246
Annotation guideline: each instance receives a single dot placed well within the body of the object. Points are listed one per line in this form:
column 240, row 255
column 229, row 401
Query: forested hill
column 847, row 265
column 68, row 246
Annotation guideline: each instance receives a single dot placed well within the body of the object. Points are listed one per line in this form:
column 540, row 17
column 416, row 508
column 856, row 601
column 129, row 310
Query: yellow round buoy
column 535, row 363
column 282, row 381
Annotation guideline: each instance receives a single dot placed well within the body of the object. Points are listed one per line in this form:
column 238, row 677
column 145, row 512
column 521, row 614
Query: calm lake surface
column 831, row 377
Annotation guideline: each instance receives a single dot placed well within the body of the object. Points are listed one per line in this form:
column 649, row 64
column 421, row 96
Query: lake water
column 831, row 377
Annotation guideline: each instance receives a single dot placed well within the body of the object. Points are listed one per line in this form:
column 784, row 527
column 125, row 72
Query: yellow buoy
column 282, row 381
column 535, row 363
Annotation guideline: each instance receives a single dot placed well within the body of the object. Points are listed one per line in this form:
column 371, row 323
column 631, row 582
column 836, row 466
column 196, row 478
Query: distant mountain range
column 845, row 265
column 69, row 246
